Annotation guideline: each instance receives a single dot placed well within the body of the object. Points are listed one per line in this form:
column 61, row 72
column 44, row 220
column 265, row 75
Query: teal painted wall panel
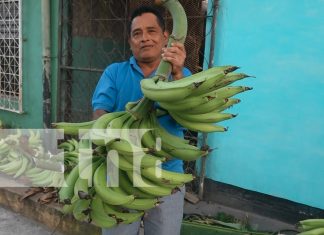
column 275, row 145
column 32, row 70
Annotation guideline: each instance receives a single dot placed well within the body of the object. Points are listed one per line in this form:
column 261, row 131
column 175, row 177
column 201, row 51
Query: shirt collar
column 135, row 66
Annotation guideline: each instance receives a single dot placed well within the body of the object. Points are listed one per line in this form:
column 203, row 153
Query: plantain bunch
column 131, row 145
column 124, row 148
column 12, row 161
column 24, row 158
column 197, row 102
column 311, row 227
column 19, row 151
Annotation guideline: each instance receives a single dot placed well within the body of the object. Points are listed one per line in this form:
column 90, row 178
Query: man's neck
column 148, row 68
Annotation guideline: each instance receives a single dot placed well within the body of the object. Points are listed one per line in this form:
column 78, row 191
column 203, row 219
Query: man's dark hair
column 147, row 9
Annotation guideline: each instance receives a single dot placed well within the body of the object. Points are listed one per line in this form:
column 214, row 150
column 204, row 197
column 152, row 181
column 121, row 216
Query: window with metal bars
column 10, row 56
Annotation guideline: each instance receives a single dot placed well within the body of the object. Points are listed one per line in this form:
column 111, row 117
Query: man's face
column 147, row 38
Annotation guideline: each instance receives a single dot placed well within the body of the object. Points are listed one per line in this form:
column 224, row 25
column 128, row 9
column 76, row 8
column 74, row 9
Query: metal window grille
column 10, row 56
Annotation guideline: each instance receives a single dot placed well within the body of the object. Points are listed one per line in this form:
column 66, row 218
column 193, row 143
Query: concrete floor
column 12, row 223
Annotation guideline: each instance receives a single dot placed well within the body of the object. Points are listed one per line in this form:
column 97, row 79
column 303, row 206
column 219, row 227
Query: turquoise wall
column 32, row 72
column 32, row 67
column 275, row 145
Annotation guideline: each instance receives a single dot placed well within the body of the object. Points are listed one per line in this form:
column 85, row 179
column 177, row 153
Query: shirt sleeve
column 104, row 96
column 186, row 72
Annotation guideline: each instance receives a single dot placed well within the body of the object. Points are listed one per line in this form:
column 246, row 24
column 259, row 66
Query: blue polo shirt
column 120, row 84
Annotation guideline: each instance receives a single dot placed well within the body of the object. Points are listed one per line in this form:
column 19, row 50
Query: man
column 120, row 84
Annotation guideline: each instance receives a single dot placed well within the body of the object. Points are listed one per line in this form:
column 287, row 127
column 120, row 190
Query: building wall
column 275, row 144
column 32, row 74
column 32, row 66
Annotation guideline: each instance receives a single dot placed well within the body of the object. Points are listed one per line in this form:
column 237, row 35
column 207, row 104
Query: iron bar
column 210, row 64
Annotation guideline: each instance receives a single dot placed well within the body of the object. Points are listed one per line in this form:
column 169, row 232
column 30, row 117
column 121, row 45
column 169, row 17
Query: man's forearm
column 97, row 113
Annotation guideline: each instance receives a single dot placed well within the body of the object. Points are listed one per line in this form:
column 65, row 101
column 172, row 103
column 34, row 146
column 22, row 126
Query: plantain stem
column 179, row 32
column 142, row 108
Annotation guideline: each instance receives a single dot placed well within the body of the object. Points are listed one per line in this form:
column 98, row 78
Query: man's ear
column 166, row 37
